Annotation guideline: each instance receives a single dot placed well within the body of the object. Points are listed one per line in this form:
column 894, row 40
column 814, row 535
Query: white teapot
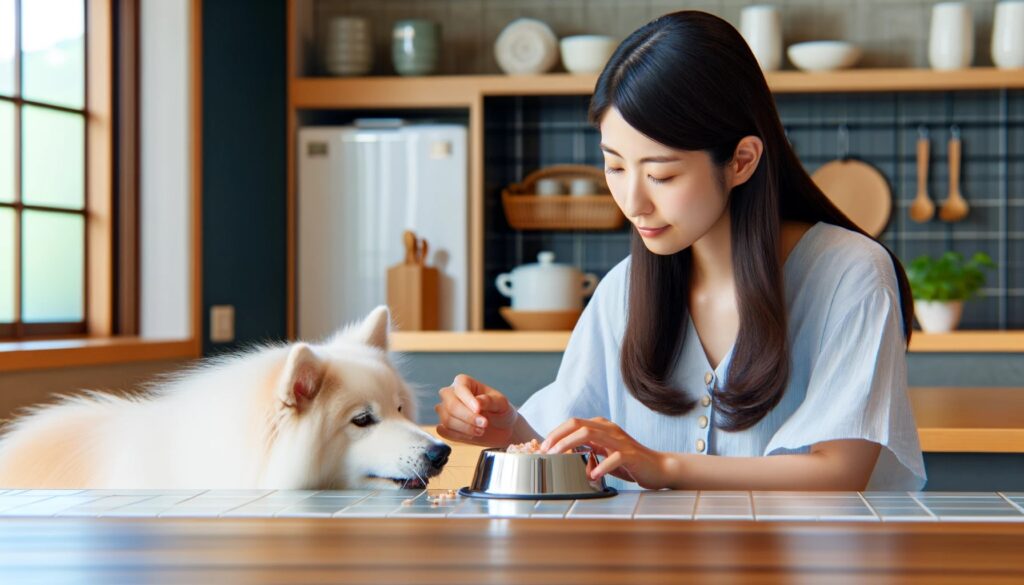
column 546, row 286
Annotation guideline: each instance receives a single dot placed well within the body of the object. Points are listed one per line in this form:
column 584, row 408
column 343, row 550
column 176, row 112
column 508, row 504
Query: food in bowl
column 532, row 446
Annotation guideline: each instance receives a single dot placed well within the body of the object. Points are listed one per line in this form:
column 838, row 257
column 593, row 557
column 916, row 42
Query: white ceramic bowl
column 823, row 55
column 587, row 53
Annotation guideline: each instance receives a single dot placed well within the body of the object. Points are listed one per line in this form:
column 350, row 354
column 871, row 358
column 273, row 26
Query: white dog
column 297, row 416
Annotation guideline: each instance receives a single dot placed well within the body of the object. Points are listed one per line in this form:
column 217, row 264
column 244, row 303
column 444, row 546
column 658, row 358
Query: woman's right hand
column 472, row 412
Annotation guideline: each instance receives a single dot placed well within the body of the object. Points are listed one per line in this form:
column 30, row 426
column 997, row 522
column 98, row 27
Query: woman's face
column 673, row 197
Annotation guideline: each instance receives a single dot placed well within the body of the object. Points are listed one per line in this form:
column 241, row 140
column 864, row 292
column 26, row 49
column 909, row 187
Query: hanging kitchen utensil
column 954, row 208
column 922, row 209
column 858, row 189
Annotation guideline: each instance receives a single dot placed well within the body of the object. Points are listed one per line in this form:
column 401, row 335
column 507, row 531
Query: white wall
column 165, row 139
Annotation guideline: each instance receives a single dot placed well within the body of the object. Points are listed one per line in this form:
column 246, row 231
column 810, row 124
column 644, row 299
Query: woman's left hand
column 624, row 457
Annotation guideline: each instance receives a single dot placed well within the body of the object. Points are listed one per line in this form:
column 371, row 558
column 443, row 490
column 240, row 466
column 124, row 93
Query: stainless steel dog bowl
column 530, row 476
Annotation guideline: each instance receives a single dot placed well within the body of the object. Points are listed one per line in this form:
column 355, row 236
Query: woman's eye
column 611, row 171
column 658, row 181
column 363, row 420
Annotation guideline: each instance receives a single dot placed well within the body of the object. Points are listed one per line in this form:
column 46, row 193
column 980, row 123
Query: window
column 103, row 253
column 44, row 151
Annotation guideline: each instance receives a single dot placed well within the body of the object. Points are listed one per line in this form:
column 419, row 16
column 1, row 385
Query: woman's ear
column 744, row 161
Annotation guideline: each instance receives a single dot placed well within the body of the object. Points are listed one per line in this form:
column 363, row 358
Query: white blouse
column 848, row 376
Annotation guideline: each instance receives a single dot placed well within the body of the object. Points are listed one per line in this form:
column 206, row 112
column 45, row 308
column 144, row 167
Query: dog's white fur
column 275, row 417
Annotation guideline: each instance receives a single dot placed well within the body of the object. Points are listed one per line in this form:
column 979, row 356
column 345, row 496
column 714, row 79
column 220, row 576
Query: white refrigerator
column 359, row 188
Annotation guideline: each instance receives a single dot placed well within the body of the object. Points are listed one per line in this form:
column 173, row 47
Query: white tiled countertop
column 627, row 505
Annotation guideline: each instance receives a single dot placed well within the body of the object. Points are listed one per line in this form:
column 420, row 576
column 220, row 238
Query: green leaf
column 949, row 277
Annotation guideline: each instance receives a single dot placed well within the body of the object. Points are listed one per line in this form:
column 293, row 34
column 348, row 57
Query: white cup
column 761, row 26
column 1008, row 34
column 547, row 187
column 583, row 186
column 951, row 40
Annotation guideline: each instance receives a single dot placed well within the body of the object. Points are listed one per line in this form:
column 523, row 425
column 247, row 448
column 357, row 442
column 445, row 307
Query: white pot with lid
column 546, row 286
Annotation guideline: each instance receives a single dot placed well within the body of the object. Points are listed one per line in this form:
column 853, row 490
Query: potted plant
column 941, row 286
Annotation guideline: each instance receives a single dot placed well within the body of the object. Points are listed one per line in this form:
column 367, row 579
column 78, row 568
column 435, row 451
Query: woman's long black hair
column 689, row 81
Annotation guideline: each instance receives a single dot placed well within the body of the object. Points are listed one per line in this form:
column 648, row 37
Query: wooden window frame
column 111, row 270
column 96, row 113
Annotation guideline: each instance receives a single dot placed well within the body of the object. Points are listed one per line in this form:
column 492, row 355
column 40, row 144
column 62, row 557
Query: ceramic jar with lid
column 546, row 286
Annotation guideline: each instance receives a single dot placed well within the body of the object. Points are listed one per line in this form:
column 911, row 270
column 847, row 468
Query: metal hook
column 922, row 132
column 843, row 141
column 954, row 131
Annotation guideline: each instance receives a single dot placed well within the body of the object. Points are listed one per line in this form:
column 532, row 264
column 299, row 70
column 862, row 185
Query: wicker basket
column 525, row 210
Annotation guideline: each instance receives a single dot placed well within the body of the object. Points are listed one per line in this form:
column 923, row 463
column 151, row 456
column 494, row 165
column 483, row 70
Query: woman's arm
column 833, row 465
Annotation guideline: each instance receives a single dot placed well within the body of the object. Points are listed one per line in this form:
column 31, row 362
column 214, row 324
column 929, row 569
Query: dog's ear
column 302, row 378
column 374, row 328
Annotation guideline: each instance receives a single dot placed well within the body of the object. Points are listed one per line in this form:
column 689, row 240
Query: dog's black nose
column 438, row 454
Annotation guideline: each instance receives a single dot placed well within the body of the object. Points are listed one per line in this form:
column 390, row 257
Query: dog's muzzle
column 437, row 455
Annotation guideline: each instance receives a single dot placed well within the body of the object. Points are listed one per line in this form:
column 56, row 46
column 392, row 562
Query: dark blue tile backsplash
column 527, row 133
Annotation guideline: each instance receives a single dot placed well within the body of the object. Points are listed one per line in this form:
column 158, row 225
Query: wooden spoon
column 922, row 209
column 954, row 208
column 423, row 252
column 410, row 247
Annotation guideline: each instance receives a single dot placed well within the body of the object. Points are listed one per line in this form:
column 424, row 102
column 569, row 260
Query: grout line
column 1011, row 502
column 924, row 507
column 870, row 507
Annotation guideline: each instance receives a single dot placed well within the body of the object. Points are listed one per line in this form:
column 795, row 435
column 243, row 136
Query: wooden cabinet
column 467, row 94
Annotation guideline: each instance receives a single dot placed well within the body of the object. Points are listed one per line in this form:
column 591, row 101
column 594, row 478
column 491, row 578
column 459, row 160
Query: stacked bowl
column 348, row 46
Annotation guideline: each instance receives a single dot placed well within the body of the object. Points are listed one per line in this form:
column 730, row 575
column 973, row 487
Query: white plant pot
column 938, row 316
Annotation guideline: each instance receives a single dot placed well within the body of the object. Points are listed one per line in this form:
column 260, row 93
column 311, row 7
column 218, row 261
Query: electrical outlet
column 222, row 323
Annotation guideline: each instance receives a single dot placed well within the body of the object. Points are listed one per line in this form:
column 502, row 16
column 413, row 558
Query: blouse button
column 703, row 422
column 705, row 401
column 708, row 377
column 700, row 445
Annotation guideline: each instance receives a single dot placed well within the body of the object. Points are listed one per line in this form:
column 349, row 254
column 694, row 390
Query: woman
column 755, row 338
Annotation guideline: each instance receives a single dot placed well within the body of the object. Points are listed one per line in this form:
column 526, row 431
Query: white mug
column 583, row 186
column 550, row 187
column 1008, row 34
column 761, row 26
column 951, row 40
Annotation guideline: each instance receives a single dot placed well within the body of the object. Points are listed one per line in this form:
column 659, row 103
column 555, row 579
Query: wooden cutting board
column 413, row 289
column 859, row 190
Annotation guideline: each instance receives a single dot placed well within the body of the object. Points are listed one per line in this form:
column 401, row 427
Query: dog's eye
column 399, row 408
column 364, row 419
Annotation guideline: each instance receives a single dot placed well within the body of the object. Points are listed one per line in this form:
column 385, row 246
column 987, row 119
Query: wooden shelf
column 480, row 341
column 555, row 342
column 462, row 91
column 859, row 80
column 969, row 420
column 90, row 351
column 968, row 342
